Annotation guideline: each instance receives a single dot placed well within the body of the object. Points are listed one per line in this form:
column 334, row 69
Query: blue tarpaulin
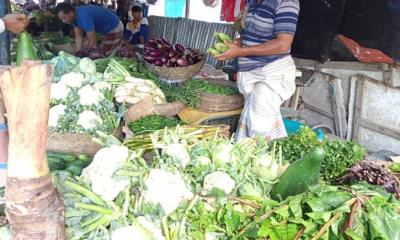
column 175, row 8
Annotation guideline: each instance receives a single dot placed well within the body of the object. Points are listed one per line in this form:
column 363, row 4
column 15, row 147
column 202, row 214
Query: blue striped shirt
column 264, row 21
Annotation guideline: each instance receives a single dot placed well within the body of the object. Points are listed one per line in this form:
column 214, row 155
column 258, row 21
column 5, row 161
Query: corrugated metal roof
column 189, row 32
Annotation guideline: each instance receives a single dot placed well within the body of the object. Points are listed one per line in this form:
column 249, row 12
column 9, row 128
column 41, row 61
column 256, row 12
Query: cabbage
column 86, row 65
column 252, row 189
column 222, row 153
column 265, row 167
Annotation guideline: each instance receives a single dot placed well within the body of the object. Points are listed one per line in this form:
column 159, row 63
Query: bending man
column 91, row 20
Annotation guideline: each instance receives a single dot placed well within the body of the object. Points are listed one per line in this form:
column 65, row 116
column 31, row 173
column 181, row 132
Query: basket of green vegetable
column 219, row 96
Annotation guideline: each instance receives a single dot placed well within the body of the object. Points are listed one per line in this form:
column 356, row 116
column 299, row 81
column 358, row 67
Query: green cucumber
column 75, row 170
column 213, row 51
column 299, row 176
column 222, row 37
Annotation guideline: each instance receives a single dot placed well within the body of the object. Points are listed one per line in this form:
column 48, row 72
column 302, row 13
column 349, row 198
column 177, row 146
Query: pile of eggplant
column 160, row 52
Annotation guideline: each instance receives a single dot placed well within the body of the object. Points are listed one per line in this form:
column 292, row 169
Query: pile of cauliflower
column 78, row 100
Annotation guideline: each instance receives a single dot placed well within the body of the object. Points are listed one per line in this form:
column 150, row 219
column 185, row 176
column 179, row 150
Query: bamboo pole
column 33, row 205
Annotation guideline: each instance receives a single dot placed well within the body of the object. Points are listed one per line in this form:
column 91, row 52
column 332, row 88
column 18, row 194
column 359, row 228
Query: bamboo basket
column 220, row 103
column 176, row 74
column 74, row 143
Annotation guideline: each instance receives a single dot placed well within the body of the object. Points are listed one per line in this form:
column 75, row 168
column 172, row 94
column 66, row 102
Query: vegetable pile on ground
column 212, row 189
column 339, row 155
column 152, row 123
column 220, row 46
column 81, row 101
column 160, row 52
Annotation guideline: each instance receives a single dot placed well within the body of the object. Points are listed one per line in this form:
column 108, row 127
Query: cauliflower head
column 101, row 171
column 89, row 96
column 167, row 189
column 59, row 91
column 102, row 85
column 89, row 120
column 55, row 113
column 178, row 152
column 220, row 180
column 72, row 79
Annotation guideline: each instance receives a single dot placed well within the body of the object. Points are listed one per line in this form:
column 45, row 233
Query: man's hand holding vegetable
column 280, row 45
column 14, row 23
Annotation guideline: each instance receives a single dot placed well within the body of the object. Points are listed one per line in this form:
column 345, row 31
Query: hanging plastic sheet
column 231, row 8
column 175, row 8
column 374, row 24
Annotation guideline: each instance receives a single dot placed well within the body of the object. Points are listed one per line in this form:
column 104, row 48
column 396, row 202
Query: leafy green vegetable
column 297, row 145
column 152, row 123
column 339, row 155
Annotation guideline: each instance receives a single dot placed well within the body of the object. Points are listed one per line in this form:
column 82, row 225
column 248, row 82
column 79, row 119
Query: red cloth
column 231, row 8
column 362, row 54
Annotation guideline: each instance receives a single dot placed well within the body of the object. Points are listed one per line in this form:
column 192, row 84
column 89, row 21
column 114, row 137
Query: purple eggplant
column 182, row 62
column 179, row 48
column 172, row 60
column 155, row 53
column 150, row 59
column 150, row 45
column 171, row 54
column 165, row 42
column 179, row 54
column 152, row 41
column 190, row 59
column 164, row 59
column 158, row 63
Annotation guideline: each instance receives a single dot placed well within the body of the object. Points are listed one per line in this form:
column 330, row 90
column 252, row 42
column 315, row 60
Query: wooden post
column 187, row 11
column 33, row 205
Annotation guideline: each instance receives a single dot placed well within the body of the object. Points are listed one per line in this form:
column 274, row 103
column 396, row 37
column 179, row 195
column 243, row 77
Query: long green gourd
column 299, row 176
column 25, row 48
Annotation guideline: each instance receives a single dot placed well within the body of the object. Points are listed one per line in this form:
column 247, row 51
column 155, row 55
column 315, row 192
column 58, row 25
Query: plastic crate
column 232, row 121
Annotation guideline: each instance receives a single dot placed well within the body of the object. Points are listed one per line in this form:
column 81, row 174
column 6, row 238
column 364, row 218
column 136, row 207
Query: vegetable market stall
column 169, row 179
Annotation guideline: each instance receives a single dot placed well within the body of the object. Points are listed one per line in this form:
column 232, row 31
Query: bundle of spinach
column 188, row 92
column 152, row 123
column 339, row 155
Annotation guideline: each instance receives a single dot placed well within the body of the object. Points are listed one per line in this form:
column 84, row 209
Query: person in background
column 14, row 23
column 112, row 7
column 91, row 20
column 137, row 30
column 267, row 72
column 123, row 11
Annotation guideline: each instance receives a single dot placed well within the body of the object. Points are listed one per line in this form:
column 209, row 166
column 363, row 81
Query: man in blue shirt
column 267, row 72
column 92, row 20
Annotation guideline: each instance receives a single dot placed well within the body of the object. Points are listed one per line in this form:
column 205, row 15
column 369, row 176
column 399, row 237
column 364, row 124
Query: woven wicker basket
column 220, row 103
column 176, row 74
column 74, row 143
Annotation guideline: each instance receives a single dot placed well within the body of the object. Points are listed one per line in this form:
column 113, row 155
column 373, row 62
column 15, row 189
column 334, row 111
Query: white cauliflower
column 59, row 91
column 100, row 172
column 89, row 120
column 219, row 180
column 89, row 96
column 211, row 236
column 178, row 152
column 167, row 189
column 102, row 85
column 72, row 79
column 131, row 233
column 55, row 113
column 151, row 227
